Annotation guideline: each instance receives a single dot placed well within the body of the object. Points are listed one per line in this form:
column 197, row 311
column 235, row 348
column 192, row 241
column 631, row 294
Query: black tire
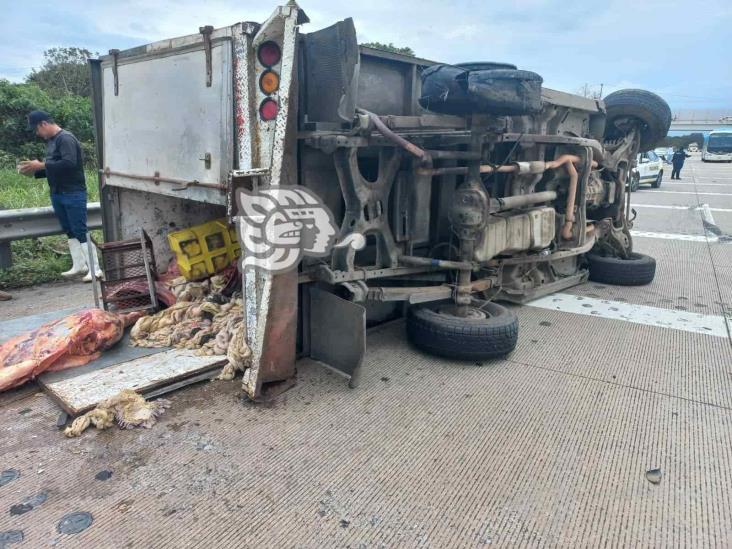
column 461, row 90
column 650, row 109
column 634, row 182
column 485, row 66
column 433, row 329
column 657, row 183
column 639, row 270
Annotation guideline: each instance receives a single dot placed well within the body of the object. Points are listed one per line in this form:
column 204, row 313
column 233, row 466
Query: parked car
column 665, row 153
column 648, row 170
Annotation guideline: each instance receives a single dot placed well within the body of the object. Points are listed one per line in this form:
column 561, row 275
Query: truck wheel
column 650, row 109
column 636, row 271
column 657, row 183
column 634, row 182
column 489, row 330
column 495, row 88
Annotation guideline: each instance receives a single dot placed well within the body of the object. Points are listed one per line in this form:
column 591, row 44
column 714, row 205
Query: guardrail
column 35, row 223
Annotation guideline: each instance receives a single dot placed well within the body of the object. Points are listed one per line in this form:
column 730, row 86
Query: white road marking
column 675, row 236
column 691, row 208
column 637, row 314
column 684, row 192
column 665, row 183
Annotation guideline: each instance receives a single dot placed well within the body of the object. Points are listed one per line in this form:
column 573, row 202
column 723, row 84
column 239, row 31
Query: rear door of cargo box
column 167, row 115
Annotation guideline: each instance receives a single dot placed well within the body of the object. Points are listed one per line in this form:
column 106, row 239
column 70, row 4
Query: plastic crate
column 129, row 270
column 205, row 249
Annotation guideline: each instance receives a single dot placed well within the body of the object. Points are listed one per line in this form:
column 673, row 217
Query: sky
column 674, row 48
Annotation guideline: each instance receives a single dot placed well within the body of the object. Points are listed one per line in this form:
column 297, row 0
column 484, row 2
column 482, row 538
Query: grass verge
column 36, row 260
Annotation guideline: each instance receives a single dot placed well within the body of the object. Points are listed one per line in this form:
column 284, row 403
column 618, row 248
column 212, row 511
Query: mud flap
column 337, row 333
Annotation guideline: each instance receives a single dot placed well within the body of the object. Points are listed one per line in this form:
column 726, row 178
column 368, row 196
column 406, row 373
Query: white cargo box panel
column 166, row 120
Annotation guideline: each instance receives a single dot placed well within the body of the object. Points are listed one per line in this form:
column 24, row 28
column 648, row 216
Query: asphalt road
column 551, row 447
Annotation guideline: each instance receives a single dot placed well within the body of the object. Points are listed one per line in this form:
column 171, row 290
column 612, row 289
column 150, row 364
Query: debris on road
column 73, row 523
column 105, row 474
column 654, row 476
column 203, row 318
column 127, row 408
column 29, row 504
column 8, row 476
column 11, row 536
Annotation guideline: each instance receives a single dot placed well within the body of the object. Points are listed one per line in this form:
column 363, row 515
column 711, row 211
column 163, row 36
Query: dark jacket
column 678, row 158
column 64, row 164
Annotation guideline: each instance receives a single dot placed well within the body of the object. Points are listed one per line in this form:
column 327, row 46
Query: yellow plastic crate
column 205, row 249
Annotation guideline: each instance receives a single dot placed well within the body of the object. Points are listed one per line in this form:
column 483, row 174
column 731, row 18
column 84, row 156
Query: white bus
column 717, row 146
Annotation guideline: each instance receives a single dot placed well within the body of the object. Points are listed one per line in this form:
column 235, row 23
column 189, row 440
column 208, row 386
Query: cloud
column 665, row 46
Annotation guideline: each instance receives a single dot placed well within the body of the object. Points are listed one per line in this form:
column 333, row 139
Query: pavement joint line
column 675, row 236
column 684, row 192
column 712, row 325
column 688, row 208
column 621, row 385
column 702, row 184
column 705, row 214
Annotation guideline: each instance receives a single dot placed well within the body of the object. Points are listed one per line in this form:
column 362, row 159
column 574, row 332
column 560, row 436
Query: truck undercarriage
column 463, row 185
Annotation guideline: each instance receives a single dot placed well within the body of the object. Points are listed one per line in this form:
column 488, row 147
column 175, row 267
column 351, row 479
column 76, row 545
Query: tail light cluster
column 269, row 54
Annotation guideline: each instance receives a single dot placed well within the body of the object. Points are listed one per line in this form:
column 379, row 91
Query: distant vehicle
column 665, row 153
column 717, row 146
column 648, row 170
column 693, row 147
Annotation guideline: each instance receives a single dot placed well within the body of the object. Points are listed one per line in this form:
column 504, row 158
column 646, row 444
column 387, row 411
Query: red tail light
column 269, row 54
column 268, row 109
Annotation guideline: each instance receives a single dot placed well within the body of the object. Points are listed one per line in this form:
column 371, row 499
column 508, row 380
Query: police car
column 648, row 171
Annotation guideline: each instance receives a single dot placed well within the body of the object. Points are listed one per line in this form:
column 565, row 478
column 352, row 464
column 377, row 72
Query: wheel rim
column 466, row 312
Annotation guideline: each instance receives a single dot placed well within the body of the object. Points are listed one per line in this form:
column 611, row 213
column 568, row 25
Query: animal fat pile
column 127, row 408
column 70, row 341
column 200, row 319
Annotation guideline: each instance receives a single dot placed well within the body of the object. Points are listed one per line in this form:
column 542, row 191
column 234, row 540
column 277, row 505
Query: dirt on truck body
column 450, row 187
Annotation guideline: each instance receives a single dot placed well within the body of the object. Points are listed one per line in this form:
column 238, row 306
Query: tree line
column 61, row 87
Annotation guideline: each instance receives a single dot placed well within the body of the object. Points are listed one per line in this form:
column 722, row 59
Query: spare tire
column 461, row 90
column 489, row 330
column 638, row 270
column 485, row 66
column 650, row 109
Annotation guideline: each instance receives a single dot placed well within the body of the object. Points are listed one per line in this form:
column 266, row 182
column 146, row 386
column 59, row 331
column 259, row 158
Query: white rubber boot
column 78, row 265
column 92, row 261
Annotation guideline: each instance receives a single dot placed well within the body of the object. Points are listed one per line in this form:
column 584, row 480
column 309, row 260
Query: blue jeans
column 70, row 209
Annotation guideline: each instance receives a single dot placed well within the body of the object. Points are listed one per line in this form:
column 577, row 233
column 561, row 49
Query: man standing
column 678, row 162
column 64, row 169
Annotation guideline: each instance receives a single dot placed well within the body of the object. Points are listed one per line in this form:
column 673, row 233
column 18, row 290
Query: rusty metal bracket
column 206, row 32
column 366, row 205
column 115, row 58
column 157, row 179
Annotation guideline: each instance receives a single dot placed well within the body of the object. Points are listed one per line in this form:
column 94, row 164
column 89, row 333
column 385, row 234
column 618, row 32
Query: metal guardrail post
column 6, row 257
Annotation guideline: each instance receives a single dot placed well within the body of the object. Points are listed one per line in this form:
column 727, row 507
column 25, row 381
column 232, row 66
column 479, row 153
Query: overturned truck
column 368, row 185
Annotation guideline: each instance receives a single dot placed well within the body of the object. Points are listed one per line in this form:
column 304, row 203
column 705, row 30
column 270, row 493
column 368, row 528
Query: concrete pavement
column 548, row 448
